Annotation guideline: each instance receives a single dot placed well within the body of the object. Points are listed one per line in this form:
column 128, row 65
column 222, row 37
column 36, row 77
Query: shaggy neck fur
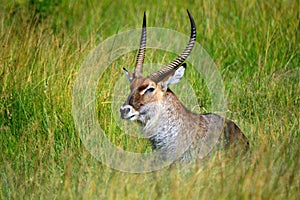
column 172, row 128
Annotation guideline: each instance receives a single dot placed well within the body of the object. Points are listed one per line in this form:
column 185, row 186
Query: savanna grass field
column 254, row 44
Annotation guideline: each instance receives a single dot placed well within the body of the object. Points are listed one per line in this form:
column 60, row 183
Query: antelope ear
column 128, row 74
column 173, row 78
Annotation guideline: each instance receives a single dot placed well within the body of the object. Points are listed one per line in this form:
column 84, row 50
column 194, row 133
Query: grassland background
column 255, row 45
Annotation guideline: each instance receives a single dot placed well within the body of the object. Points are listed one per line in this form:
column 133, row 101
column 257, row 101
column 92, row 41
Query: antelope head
column 147, row 93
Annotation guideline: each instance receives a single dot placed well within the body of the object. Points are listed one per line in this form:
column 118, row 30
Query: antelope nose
column 124, row 110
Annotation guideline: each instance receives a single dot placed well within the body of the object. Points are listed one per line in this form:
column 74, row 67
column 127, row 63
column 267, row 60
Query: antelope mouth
column 127, row 112
column 130, row 117
column 133, row 117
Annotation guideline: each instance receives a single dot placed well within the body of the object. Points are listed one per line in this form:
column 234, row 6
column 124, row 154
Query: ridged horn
column 162, row 73
column 138, row 70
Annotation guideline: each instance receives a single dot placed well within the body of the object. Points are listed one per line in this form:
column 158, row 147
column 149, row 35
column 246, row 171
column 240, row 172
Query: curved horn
column 138, row 70
column 161, row 74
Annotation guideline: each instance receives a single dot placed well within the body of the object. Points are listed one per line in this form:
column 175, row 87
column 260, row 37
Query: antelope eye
column 150, row 89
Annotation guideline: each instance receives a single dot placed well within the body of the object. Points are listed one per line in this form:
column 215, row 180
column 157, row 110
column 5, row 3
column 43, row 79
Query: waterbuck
column 167, row 123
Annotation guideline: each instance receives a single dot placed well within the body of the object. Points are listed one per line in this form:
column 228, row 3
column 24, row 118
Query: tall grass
column 255, row 45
